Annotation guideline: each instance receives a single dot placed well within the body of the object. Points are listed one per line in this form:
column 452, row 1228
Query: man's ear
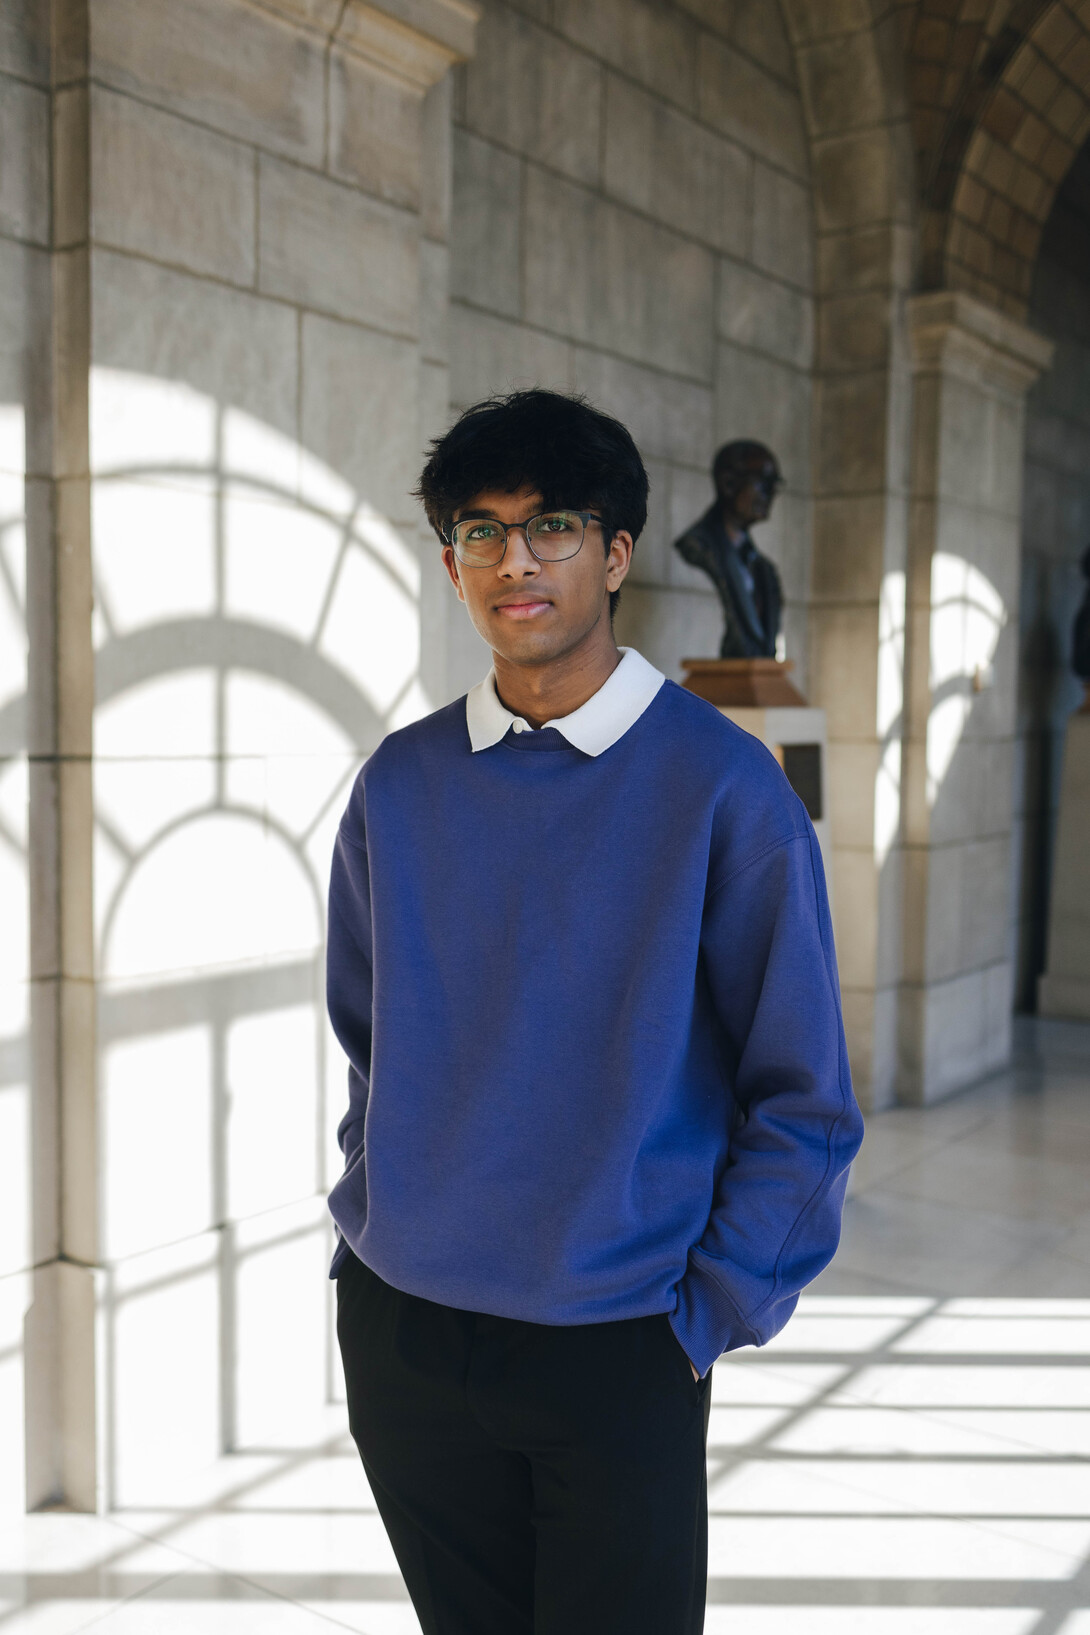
column 619, row 560
column 450, row 562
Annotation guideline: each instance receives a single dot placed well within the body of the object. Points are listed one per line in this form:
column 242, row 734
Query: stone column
column 341, row 127
column 61, row 1391
column 857, row 624
column 973, row 366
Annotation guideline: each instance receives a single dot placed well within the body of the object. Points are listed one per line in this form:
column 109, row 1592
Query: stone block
column 650, row 558
column 539, row 10
column 751, row 106
column 600, row 274
column 484, row 234
column 957, row 1045
column 849, row 534
column 667, row 626
column 850, row 414
column 374, row 132
column 643, row 40
column 667, row 165
column 758, row 29
column 851, row 771
column 490, row 355
column 529, row 91
column 889, row 950
column 670, row 419
column 841, row 84
column 934, row 915
column 759, row 312
column 691, row 493
column 329, row 248
column 359, row 411
column 221, row 63
column 165, row 188
column 71, row 136
column 24, row 342
column 817, row 19
column 844, row 668
column 320, row 15
column 767, row 401
column 434, row 301
column 24, row 39
column 986, row 898
column 61, row 923
column 712, row 13
column 225, row 346
column 870, row 1028
column 866, row 257
column 854, row 330
column 853, row 181
column 855, row 915
column 24, row 161
column 435, row 415
column 783, row 228
column 436, row 163
column 796, row 645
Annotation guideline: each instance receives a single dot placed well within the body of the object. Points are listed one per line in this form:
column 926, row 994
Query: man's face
column 529, row 611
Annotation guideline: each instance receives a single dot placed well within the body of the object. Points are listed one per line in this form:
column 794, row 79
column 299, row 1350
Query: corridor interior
column 910, row 1457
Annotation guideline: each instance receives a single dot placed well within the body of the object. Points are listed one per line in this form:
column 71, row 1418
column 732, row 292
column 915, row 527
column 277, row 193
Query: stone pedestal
column 796, row 735
column 1065, row 988
column 757, row 696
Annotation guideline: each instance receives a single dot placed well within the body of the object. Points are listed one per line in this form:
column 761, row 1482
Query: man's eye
column 482, row 531
column 557, row 523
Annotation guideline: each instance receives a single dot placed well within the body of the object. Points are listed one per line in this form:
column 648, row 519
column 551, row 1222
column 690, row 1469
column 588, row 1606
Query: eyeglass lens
column 481, row 541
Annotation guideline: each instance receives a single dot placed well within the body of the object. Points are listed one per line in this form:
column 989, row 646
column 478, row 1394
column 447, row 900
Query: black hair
column 570, row 453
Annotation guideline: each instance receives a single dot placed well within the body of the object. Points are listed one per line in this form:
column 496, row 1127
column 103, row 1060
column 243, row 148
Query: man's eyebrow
column 481, row 513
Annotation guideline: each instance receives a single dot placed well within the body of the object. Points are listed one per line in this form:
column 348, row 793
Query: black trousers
column 533, row 1480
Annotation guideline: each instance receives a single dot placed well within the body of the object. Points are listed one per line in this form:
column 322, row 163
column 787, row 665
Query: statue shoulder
column 697, row 543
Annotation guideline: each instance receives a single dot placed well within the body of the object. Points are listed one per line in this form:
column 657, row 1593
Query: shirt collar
column 593, row 727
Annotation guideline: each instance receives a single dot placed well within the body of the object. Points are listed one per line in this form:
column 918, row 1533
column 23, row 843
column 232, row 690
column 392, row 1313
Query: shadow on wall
column 257, row 632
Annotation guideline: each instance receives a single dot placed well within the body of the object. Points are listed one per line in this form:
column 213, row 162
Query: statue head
column 746, row 477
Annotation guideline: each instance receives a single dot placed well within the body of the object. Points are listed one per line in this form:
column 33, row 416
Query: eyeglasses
column 553, row 536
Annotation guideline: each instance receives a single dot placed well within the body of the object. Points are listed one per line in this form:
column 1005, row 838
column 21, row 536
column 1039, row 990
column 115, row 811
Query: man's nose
column 518, row 559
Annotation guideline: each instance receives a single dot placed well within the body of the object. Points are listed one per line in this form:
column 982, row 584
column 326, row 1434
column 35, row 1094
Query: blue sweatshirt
column 591, row 1011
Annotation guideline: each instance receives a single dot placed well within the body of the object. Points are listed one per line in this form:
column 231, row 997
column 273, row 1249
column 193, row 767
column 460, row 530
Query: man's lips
column 529, row 609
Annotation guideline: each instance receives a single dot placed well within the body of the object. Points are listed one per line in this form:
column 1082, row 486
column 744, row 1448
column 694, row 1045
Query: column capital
column 955, row 333
column 412, row 42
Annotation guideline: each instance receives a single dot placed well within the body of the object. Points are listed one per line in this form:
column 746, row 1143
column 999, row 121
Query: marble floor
column 911, row 1456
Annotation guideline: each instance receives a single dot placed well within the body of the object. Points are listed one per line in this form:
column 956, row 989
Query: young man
column 600, row 1117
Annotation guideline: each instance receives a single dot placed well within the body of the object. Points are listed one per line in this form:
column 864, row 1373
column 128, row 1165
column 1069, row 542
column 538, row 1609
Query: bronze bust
column 746, row 477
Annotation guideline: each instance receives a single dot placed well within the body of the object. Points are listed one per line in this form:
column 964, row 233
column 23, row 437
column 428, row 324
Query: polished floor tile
column 911, row 1456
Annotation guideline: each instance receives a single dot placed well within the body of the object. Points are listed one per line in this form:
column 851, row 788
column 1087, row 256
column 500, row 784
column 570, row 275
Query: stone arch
column 1018, row 112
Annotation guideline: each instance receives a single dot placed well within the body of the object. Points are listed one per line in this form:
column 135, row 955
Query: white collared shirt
column 593, row 727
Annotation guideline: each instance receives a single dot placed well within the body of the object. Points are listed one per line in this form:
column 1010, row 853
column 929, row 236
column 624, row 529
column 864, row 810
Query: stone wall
column 242, row 363
column 1055, row 533
column 632, row 220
